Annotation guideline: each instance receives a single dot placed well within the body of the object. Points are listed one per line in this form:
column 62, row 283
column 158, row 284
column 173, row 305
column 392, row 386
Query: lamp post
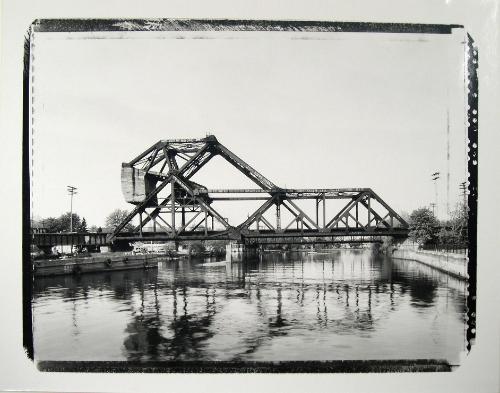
column 435, row 177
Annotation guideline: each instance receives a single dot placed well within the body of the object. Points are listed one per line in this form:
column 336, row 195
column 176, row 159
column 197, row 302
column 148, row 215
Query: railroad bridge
column 170, row 206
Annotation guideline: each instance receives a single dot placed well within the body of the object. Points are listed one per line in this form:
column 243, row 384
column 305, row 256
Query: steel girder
column 174, row 162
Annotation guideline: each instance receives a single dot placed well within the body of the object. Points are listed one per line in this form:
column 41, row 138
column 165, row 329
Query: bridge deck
column 248, row 236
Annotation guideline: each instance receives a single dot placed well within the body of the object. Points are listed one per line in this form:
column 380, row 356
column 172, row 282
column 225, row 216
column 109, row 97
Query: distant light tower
column 71, row 191
column 433, row 206
column 435, row 177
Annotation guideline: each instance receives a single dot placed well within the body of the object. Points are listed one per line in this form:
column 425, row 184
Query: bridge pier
column 235, row 247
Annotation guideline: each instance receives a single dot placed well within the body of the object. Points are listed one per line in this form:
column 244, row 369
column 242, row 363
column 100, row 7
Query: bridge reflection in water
column 338, row 305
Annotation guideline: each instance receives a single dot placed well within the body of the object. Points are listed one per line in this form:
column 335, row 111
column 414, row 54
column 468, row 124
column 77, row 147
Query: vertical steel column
column 357, row 218
column 183, row 219
column 172, row 185
column 140, row 223
column 317, row 211
column 369, row 212
column 324, row 211
column 206, row 217
column 278, row 216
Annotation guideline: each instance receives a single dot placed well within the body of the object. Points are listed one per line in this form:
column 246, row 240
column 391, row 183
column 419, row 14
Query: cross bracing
column 169, row 205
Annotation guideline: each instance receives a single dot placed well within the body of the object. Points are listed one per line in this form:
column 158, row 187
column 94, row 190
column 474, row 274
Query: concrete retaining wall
column 454, row 264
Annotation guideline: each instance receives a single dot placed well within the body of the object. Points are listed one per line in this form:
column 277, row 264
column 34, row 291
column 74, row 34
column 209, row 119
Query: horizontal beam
column 265, row 233
column 281, row 190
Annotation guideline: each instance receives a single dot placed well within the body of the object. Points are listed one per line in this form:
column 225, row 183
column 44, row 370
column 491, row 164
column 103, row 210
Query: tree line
column 63, row 223
column 427, row 230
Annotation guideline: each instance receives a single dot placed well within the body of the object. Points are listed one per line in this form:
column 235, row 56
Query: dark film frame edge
column 83, row 25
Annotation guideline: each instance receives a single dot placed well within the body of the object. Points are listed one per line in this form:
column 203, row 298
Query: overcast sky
column 306, row 110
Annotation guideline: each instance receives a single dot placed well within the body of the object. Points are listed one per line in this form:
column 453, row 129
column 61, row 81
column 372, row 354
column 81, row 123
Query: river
column 337, row 305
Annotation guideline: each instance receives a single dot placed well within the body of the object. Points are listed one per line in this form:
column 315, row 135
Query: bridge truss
column 170, row 206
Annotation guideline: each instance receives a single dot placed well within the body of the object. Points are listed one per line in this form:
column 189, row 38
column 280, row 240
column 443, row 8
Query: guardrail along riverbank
column 453, row 264
column 104, row 263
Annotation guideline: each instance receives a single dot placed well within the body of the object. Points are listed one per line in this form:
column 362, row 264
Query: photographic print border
column 123, row 25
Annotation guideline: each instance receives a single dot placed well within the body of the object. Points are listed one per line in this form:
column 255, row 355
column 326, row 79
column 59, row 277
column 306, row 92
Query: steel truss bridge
column 170, row 206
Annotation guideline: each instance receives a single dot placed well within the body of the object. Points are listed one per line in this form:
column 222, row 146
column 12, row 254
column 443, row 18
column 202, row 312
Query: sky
column 323, row 110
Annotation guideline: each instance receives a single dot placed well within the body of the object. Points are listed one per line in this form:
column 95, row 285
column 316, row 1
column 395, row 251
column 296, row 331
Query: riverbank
column 101, row 263
column 453, row 264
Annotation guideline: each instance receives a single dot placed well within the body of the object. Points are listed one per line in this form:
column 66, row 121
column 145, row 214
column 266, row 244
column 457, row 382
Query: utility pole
column 71, row 191
column 433, row 206
column 435, row 177
column 447, row 163
column 463, row 188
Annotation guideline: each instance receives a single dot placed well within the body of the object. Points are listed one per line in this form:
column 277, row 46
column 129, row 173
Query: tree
column 423, row 226
column 65, row 222
column 83, row 226
column 62, row 223
column 50, row 224
column 116, row 217
column 455, row 231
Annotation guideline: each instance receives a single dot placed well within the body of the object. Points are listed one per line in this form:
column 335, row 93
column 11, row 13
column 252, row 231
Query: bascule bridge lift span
column 170, row 206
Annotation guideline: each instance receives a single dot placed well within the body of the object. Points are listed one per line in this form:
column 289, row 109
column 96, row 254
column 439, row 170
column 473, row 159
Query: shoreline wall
column 454, row 264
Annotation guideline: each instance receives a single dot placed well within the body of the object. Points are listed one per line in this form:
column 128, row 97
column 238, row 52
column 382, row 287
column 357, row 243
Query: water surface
column 346, row 304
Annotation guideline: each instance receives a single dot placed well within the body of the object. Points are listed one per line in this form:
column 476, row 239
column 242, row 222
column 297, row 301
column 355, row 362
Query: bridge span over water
column 173, row 207
column 170, row 206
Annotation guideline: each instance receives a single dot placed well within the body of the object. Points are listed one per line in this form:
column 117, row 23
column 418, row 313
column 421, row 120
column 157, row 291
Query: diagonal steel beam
column 244, row 168
column 303, row 214
column 156, row 222
column 383, row 220
column 356, row 220
column 345, row 209
column 375, row 214
column 299, row 217
column 192, row 164
column 389, row 209
column 143, row 154
column 206, row 207
column 189, row 222
column 261, row 210
column 152, row 160
column 267, row 223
